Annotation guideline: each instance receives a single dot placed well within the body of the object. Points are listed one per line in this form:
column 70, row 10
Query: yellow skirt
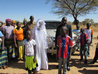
column 29, row 64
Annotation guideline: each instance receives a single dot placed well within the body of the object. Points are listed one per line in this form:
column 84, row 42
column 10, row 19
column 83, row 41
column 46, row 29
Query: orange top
column 91, row 31
column 19, row 34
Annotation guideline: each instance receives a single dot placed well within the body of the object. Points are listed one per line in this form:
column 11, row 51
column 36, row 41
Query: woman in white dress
column 40, row 36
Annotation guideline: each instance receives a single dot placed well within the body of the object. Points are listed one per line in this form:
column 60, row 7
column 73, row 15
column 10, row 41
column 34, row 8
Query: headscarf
column 8, row 20
column 39, row 33
column 13, row 21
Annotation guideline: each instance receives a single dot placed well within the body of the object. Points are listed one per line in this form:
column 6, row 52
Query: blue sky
column 20, row 9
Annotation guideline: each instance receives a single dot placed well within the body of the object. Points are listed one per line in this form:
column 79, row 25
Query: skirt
column 3, row 58
column 29, row 64
column 9, row 44
column 21, row 48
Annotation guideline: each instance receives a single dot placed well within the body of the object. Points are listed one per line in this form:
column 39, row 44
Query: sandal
column 4, row 67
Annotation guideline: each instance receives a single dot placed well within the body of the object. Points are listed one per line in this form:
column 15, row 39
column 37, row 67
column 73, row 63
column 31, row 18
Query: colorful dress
column 3, row 54
column 29, row 54
column 20, row 37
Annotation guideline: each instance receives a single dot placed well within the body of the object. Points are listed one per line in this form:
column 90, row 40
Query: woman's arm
column 15, row 40
column 3, row 43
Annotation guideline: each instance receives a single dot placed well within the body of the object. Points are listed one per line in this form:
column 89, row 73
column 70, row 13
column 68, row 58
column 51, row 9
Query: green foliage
column 74, row 8
column 88, row 21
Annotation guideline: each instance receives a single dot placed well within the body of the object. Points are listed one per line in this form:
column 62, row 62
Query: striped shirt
column 64, row 45
column 83, row 39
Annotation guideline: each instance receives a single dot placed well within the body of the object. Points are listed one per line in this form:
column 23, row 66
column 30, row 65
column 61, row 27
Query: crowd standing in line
column 15, row 41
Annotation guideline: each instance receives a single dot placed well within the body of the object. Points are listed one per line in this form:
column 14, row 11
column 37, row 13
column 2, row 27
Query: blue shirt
column 1, row 35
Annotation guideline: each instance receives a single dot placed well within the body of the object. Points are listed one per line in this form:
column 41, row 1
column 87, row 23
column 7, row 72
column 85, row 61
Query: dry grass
column 95, row 28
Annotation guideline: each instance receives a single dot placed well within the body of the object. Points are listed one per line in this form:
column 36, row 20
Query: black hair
column 88, row 24
column 31, row 17
column 64, row 18
column 82, row 30
column 17, row 23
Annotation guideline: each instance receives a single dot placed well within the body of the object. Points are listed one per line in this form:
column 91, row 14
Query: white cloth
column 40, row 36
column 29, row 47
column 88, row 32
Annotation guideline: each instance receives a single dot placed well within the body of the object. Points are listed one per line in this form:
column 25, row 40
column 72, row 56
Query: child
column 64, row 42
column 83, row 41
column 30, row 53
column 18, row 33
column 3, row 53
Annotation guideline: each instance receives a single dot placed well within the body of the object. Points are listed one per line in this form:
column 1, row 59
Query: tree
column 88, row 20
column 74, row 8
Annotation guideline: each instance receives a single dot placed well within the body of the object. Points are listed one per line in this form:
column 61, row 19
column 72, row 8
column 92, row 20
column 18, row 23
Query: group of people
column 30, row 43
column 64, row 44
column 24, row 43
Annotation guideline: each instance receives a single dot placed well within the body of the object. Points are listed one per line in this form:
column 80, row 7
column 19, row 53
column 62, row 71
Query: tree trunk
column 76, row 22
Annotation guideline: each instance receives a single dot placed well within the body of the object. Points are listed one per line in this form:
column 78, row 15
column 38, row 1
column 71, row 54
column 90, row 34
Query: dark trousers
column 83, row 51
column 96, row 55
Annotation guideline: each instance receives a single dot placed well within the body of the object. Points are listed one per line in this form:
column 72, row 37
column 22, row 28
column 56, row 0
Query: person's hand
column 2, row 48
column 34, row 60
column 16, row 45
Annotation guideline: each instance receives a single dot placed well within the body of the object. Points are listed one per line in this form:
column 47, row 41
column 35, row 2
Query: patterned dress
column 3, row 54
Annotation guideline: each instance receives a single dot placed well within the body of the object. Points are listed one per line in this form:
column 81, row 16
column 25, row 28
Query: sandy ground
column 76, row 66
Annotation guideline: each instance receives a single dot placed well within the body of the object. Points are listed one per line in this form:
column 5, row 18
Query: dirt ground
column 76, row 66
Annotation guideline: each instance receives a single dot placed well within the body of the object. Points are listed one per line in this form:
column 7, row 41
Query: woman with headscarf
column 9, row 39
column 40, row 36
column 13, row 23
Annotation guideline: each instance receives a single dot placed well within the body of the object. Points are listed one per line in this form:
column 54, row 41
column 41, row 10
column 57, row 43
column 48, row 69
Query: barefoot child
column 30, row 53
column 64, row 42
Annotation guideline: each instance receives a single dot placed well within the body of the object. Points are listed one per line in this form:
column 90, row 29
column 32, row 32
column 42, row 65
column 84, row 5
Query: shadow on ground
column 80, row 64
column 85, row 71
